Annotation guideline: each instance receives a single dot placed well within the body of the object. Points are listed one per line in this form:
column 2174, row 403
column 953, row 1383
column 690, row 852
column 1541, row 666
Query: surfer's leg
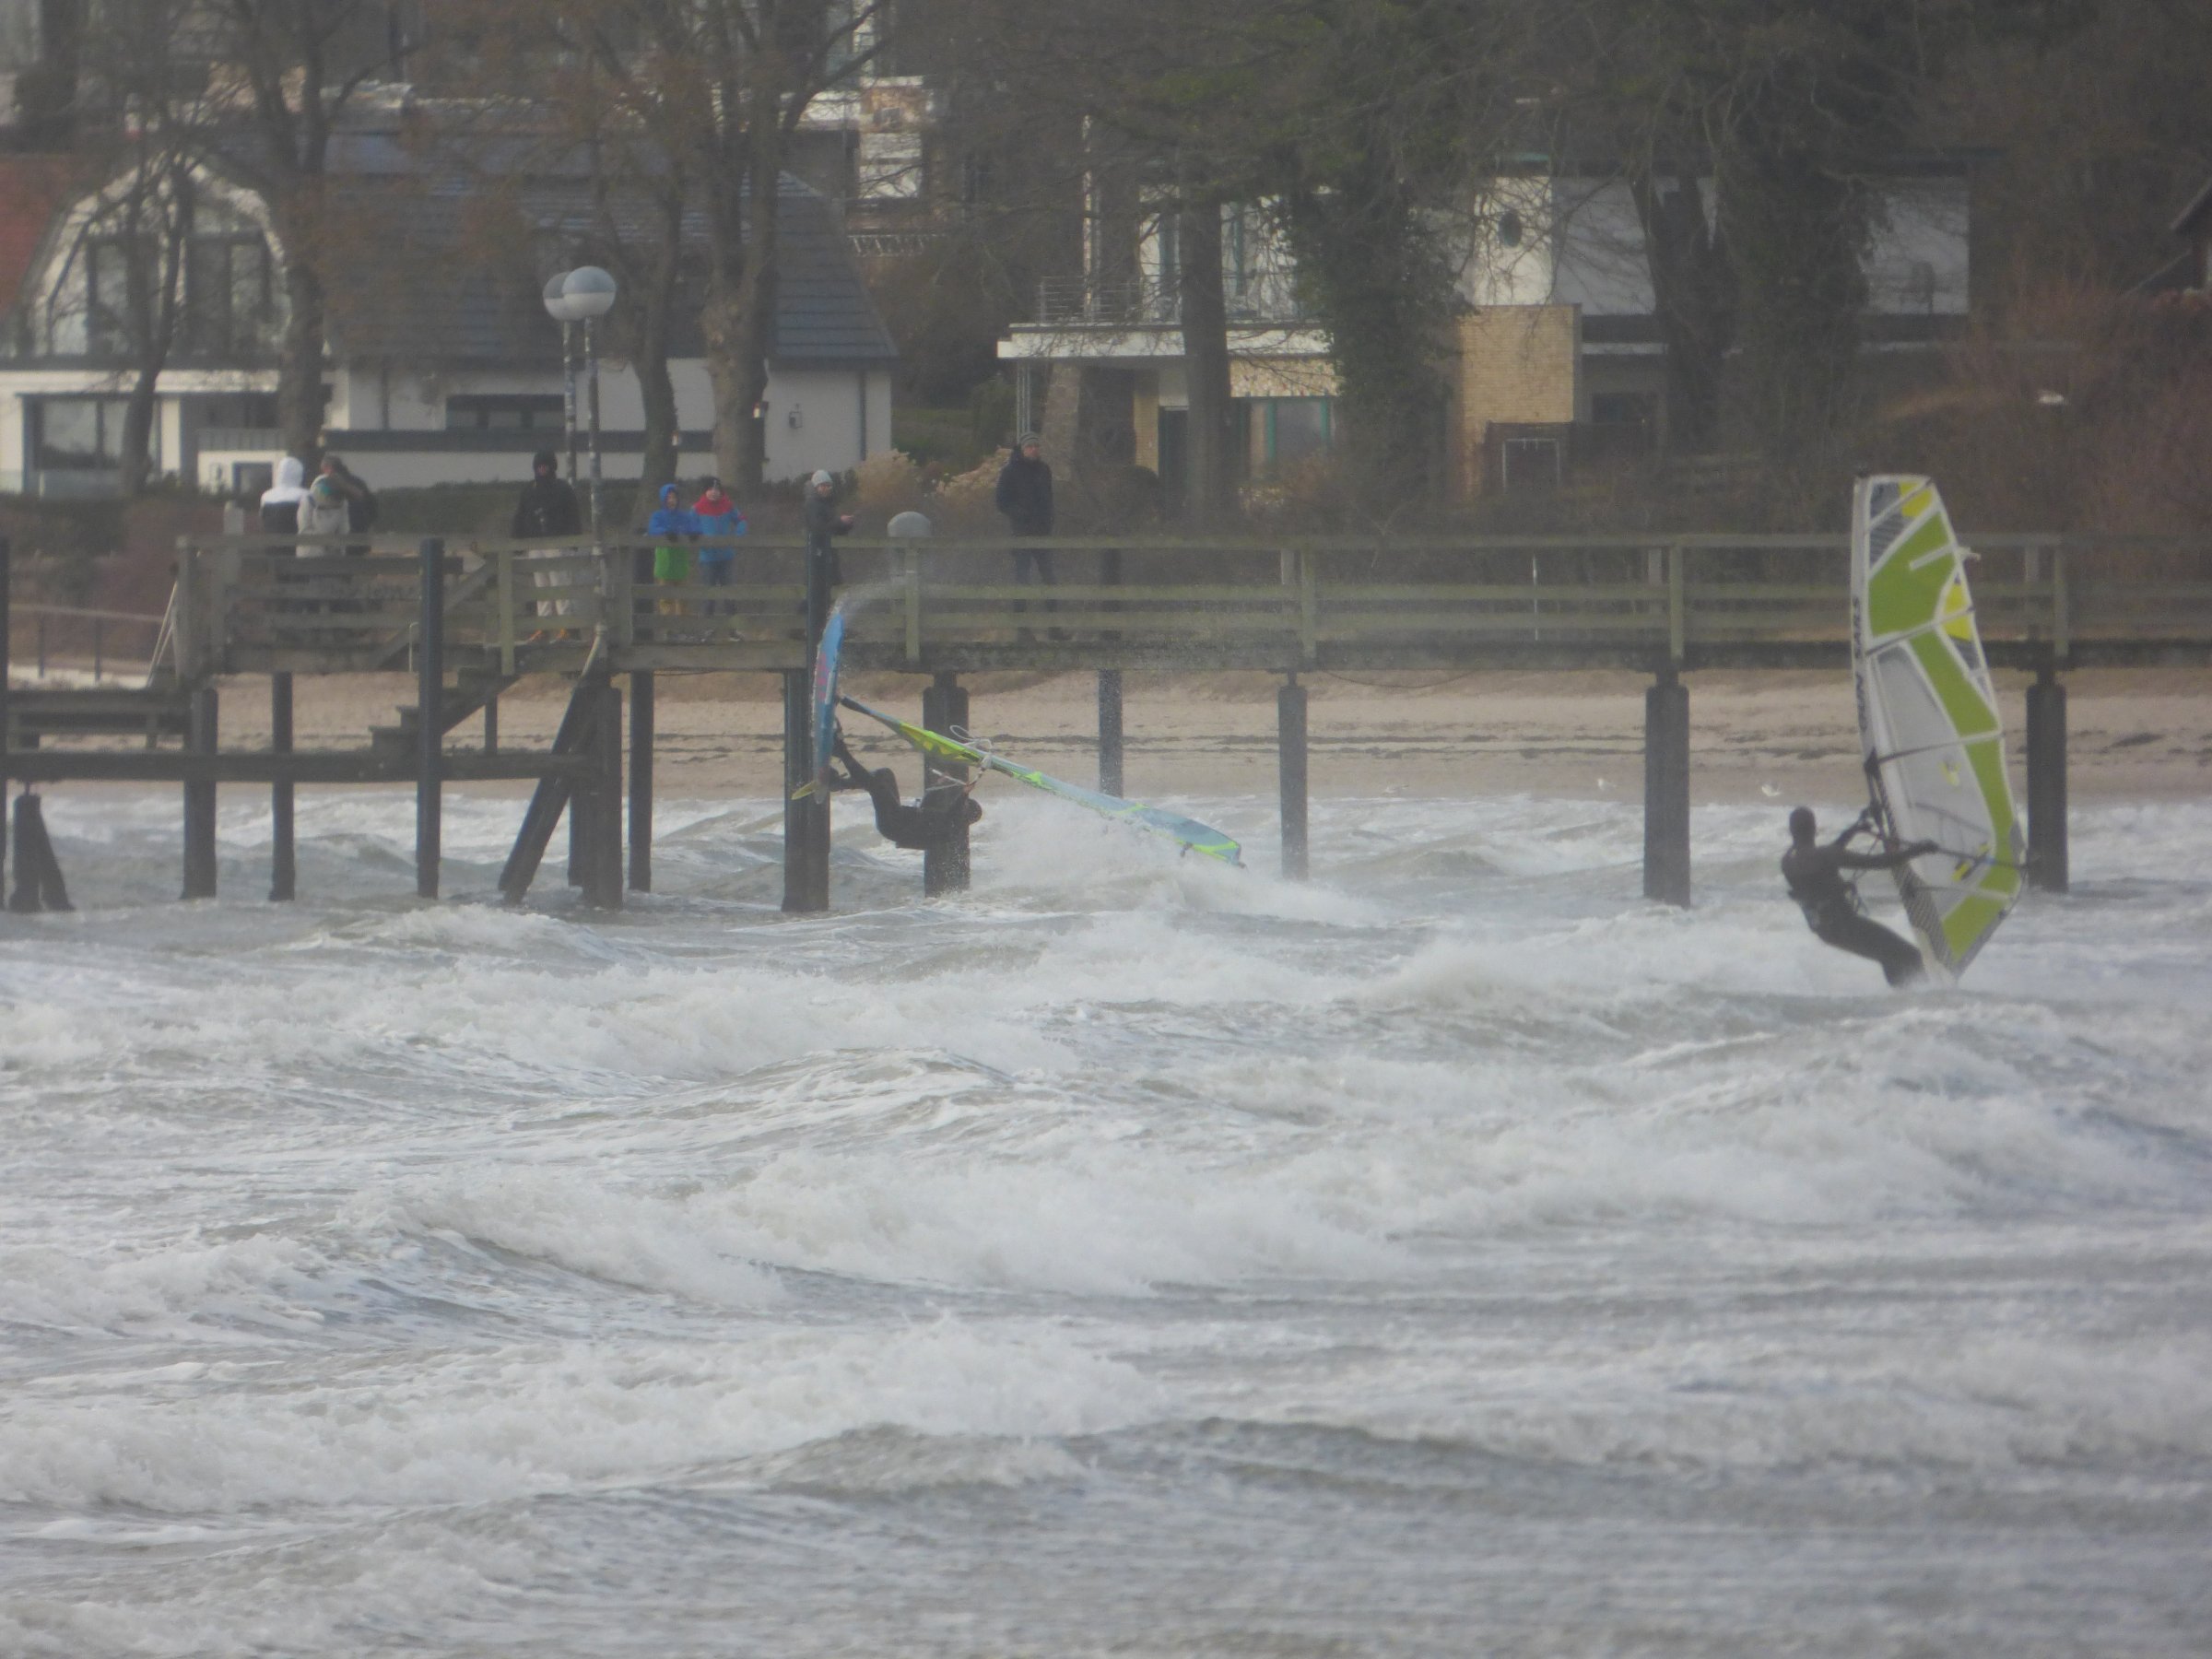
column 1862, row 936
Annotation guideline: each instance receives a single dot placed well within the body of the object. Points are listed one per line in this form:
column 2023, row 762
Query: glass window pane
column 1301, row 428
column 249, row 291
column 68, row 433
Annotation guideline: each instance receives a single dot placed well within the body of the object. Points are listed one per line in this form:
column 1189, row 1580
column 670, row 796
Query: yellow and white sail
column 1929, row 720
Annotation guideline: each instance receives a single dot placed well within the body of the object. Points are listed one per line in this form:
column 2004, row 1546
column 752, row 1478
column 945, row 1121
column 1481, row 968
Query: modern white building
column 1551, row 248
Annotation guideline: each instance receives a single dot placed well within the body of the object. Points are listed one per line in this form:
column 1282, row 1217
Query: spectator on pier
column 360, row 501
column 720, row 522
column 1025, row 496
column 824, row 522
column 547, row 510
column 672, row 529
column 323, row 512
column 281, row 502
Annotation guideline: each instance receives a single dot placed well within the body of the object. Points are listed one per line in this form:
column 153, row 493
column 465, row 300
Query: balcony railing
column 1148, row 303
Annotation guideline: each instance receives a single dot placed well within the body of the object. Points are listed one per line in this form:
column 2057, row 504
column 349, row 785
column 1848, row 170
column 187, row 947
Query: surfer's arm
column 1888, row 860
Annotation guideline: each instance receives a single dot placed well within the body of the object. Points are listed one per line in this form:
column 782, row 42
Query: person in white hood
column 281, row 502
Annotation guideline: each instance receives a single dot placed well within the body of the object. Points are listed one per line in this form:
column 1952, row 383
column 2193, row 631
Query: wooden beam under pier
column 199, row 796
column 945, row 708
column 1290, row 740
column 2047, row 856
column 284, row 864
column 1666, row 791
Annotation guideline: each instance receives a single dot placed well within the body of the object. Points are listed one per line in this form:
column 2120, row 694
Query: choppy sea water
column 1457, row 1255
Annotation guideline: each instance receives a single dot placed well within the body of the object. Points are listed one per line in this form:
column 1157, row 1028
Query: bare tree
column 292, row 67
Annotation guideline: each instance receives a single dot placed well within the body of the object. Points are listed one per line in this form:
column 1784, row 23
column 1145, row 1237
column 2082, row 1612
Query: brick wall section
column 1518, row 365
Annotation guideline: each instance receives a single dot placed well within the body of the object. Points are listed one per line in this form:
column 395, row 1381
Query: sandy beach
column 2134, row 734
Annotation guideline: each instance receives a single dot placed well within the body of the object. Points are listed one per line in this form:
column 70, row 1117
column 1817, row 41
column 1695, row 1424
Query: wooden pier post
column 1111, row 773
column 945, row 708
column 1666, row 790
column 640, row 781
column 284, row 865
column 805, row 821
column 201, row 737
column 37, row 872
column 430, row 695
column 601, row 804
column 492, row 724
column 2047, row 859
column 6, row 720
column 1290, row 748
column 1109, row 731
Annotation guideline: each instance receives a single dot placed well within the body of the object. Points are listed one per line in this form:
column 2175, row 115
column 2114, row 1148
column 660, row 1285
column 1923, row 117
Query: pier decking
column 473, row 617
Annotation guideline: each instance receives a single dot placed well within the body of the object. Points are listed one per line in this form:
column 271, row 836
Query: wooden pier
column 471, row 619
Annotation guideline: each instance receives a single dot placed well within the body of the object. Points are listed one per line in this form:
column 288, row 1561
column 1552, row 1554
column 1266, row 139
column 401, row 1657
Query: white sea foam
column 473, row 1428
column 458, row 1275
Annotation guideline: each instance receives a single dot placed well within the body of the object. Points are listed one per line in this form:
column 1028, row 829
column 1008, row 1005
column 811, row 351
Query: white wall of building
column 1581, row 242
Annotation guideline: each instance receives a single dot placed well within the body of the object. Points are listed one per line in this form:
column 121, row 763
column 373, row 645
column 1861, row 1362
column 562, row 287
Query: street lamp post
column 590, row 293
column 559, row 310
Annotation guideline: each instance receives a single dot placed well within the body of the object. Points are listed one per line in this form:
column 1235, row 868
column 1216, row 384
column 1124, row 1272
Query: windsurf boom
column 1188, row 833
column 1928, row 725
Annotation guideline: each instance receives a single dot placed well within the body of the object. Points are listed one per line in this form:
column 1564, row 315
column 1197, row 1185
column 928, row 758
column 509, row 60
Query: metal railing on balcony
column 1150, row 302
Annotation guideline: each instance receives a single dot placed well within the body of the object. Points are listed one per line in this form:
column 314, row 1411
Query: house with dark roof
column 443, row 364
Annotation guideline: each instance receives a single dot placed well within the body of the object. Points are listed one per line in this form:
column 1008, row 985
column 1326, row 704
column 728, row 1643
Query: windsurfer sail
column 1188, row 833
column 1928, row 723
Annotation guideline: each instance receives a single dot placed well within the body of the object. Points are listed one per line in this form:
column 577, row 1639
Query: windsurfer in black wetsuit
column 916, row 829
column 1832, row 904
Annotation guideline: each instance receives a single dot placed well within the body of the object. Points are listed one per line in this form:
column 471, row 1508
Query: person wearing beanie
column 548, row 510
column 1025, row 496
column 823, row 522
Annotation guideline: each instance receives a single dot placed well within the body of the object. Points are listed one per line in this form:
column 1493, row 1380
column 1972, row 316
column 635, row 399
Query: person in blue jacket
column 719, row 519
column 672, row 530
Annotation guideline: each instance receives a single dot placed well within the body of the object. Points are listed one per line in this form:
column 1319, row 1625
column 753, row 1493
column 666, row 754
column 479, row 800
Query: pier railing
column 281, row 604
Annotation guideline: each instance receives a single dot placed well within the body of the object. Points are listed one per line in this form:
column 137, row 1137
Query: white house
column 443, row 364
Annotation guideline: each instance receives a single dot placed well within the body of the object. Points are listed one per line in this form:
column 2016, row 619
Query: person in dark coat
column 1025, row 496
column 1830, row 903
column 360, row 501
column 917, row 829
column 547, row 510
column 823, row 522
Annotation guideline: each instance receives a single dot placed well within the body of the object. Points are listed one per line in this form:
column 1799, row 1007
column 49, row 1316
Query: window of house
column 1623, row 408
column 890, row 166
column 78, row 434
column 503, row 412
column 1509, row 228
column 1289, row 429
column 107, row 296
column 229, row 299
